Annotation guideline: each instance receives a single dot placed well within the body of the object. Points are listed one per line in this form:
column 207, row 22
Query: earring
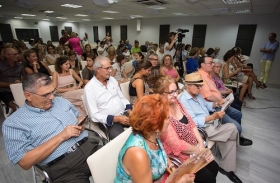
column 157, row 134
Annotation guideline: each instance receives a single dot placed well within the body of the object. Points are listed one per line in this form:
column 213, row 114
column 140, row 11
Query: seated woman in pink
column 64, row 81
column 168, row 69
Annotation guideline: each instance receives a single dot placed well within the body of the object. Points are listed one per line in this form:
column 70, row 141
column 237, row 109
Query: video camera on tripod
column 181, row 34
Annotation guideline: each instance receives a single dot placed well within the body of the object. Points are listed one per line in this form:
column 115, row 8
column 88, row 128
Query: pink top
column 178, row 135
column 64, row 81
column 75, row 43
column 171, row 72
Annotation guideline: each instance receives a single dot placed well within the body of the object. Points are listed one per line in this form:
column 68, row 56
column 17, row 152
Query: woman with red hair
column 142, row 159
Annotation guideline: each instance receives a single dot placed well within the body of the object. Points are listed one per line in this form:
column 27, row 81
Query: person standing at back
column 269, row 50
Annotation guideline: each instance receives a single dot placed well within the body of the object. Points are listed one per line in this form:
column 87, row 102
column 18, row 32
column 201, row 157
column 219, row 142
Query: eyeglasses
column 155, row 59
column 171, row 93
column 218, row 66
column 198, row 86
column 14, row 54
column 107, row 68
column 210, row 63
column 47, row 95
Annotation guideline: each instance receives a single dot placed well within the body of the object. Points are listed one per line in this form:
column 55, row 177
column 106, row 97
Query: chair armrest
column 104, row 141
column 38, row 170
column 204, row 135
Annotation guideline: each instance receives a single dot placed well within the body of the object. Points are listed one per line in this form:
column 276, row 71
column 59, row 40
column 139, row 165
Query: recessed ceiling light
column 110, row 12
column 107, row 18
column 87, row 19
column 236, row 1
column 28, row 15
column 71, row 6
column 135, row 16
column 241, row 11
column 81, row 15
column 71, row 21
column 48, row 11
column 0, row 5
column 18, row 17
column 113, row 1
column 46, row 19
column 156, row 7
column 220, row 10
column 60, row 17
column 180, row 14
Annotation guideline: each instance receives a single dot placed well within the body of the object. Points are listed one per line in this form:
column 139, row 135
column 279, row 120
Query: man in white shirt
column 102, row 49
column 105, row 100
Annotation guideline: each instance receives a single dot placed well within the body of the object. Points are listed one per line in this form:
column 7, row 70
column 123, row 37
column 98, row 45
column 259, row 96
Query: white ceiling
column 126, row 8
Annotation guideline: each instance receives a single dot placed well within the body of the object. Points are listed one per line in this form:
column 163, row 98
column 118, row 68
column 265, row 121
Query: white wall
column 221, row 31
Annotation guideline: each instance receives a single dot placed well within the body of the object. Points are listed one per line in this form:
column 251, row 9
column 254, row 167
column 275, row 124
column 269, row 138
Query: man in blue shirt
column 269, row 50
column 44, row 131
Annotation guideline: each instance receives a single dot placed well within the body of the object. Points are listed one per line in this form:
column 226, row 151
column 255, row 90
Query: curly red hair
column 148, row 114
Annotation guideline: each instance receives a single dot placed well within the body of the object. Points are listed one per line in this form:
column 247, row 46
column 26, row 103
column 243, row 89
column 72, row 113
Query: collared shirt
column 270, row 45
column 104, row 102
column 30, row 127
column 197, row 108
column 209, row 88
column 10, row 74
column 135, row 50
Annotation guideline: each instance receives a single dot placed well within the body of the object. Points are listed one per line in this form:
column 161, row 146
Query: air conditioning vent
column 151, row 2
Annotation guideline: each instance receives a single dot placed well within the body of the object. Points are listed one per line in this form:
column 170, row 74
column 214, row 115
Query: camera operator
column 170, row 44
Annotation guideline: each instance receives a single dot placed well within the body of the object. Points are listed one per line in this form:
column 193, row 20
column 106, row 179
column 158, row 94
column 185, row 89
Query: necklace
column 151, row 141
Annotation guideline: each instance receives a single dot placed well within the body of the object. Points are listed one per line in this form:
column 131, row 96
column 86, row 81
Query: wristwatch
column 217, row 104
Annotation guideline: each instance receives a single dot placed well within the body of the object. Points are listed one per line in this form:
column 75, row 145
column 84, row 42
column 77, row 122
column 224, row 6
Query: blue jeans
column 232, row 116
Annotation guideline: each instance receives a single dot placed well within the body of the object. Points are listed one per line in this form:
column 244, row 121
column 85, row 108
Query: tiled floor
column 259, row 163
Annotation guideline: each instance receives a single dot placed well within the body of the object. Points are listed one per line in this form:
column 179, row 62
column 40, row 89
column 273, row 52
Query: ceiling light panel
column 156, row 7
column 110, row 11
column 241, row 11
column 48, row 11
column 71, row 6
column 28, row 15
column 180, row 14
column 135, row 16
column 87, row 19
column 220, row 10
column 108, row 18
column 81, row 15
column 60, row 17
column 18, row 17
column 46, row 19
column 236, row 1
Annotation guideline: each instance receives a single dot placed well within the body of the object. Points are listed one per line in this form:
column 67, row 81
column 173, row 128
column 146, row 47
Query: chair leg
column 34, row 175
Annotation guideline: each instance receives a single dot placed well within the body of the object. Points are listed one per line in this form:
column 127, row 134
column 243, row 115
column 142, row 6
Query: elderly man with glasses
column 45, row 131
column 104, row 99
column 225, row 135
column 11, row 72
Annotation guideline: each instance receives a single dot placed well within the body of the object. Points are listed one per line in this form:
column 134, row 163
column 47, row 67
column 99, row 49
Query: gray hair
column 97, row 62
column 217, row 61
column 153, row 54
column 34, row 81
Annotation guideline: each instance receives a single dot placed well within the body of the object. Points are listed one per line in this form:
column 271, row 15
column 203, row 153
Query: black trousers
column 74, row 168
column 207, row 174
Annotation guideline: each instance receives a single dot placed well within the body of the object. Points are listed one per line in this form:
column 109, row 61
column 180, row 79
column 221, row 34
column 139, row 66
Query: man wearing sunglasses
column 104, row 99
column 44, row 131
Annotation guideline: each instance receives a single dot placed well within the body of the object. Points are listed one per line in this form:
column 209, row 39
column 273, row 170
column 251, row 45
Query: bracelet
column 171, row 166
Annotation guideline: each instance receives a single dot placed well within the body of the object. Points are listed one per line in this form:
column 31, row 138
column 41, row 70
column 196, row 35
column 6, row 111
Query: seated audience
column 135, row 48
column 67, row 48
column 138, row 57
column 142, row 157
column 33, row 65
column 225, row 136
column 144, row 49
column 181, row 139
column 59, row 50
column 223, row 89
column 64, row 38
column 210, row 53
column 155, row 73
column 88, row 51
column 112, row 54
column 51, row 56
column 41, row 52
column 64, row 80
column 88, row 71
column 168, row 69
column 191, row 64
column 102, row 49
column 126, row 53
column 75, row 64
column 11, row 72
column 104, row 99
column 46, row 131
column 118, row 71
column 210, row 93
column 216, row 51
column 138, row 86
column 128, row 45
column 202, row 52
column 120, row 49
column 160, row 52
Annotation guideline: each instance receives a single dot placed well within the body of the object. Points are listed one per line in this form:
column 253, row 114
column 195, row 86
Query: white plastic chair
column 84, row 64
column 102, row 163
column 127, row 67
column 52, row 68
column 17, row 92
column 81, row 74
column 125, row 87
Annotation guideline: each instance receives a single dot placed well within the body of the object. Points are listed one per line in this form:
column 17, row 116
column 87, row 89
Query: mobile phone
column 83, row 121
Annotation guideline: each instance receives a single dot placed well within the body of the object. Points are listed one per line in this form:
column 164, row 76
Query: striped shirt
column 29, row 127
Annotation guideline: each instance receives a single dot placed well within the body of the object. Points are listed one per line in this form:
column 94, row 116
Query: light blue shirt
column 29, row 127
column 269, row 45
column 198, row 109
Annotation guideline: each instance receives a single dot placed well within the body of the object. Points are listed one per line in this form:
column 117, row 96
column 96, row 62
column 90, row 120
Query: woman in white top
column 170, row 43
column 118, row 71
column 64, row 80
column 51, row 56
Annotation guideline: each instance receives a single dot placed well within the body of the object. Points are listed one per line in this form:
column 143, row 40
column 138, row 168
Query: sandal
column 243, row 103
column 245, row 142
column 261, row 85
column 251, row 96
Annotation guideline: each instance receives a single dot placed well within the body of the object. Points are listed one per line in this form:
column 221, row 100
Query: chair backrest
column 125, row 88
column 52, row 68
column 81, row 74
column 103, row 163
column 84, row 64
column 127, row 67
column 17, row 92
